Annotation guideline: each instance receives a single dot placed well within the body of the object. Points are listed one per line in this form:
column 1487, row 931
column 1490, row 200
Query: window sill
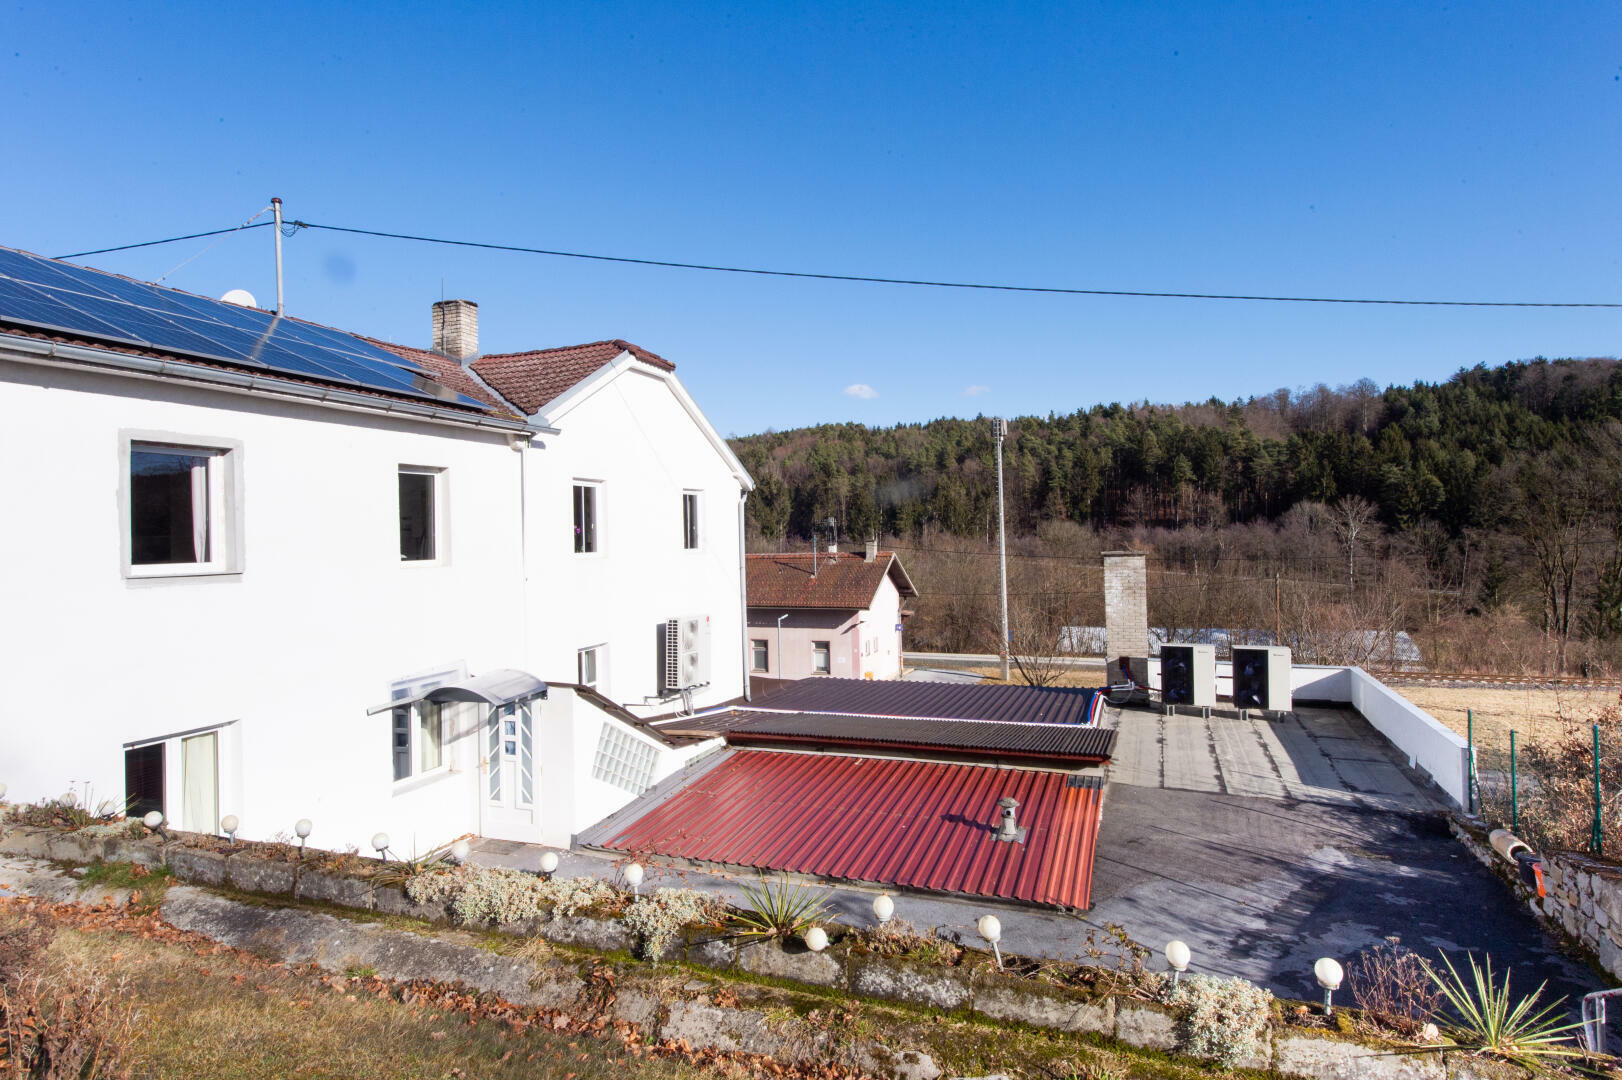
column 148, row 571
column 422, row 780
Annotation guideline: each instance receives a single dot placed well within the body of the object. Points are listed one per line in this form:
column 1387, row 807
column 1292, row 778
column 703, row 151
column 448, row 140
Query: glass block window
column 623, row 760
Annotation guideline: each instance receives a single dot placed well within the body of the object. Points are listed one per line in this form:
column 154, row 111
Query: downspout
column 743, row 596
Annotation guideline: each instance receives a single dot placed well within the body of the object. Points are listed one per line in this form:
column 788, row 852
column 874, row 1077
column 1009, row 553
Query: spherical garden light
column 302, row 830
column 460, row 850
column 68, row 799
column 1329, row 975
column 549, row 863
column 883, row 908
column 153, row 820
column 1178, row 956
column 633, row 878
column 816, row 939
column 380, row 842
column 990, row 928
column 228, row 825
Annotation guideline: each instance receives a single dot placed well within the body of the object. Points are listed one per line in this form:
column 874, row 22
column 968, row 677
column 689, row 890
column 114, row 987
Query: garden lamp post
column 380, row 841
column 302, row 830
column 883, row 908
column 549, row 863
column 1178, row 956
column 816, row 939
column 1329, row 976
column 228, row 825
column 633, row 878
column 460, row 850
column 990, row 928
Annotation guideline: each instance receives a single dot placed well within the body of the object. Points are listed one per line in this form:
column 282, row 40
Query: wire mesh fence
column 1559, row 792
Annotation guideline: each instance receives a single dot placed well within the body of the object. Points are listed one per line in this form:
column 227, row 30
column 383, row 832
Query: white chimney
column 456, row 329
column 872, row 553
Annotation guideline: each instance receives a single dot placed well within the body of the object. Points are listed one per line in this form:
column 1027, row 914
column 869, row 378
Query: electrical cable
column 292, row 226
column 169, row 240
column 943, row 284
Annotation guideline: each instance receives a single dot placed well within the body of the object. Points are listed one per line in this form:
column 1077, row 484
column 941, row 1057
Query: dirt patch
column 1532, row 714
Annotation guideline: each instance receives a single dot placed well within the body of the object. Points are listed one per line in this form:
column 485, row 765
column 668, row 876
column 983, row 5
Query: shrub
column 1221, row 1019
column 1490, row 1021
column 1116, row 964
column 898, row 937
column 658, row 917
column 59, row 1024
column 489, row 894
column 1393, row 986
column 781, row 912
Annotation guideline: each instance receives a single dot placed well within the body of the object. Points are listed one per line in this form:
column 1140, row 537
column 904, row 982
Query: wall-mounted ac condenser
column 1188, row 675
column 1261, row 678
column 685, row 663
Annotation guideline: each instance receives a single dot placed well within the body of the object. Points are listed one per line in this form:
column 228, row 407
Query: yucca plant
column 779, row 912
column 1489, row 1020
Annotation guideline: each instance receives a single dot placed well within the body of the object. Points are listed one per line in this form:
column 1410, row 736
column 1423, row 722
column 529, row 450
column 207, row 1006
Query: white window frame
column 410, row 688
column 442, row 532
column 765, row 646
column 224, row 494
column 599, row 660
column 827, row 650
column 596, row 489
column 692, row 527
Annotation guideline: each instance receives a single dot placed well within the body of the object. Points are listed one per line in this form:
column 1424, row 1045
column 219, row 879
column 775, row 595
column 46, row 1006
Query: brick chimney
column 456, row 329
column 1126, row 605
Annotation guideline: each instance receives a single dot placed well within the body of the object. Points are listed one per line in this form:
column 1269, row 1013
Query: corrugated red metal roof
column 887, row 821
column 945, row 701
column 845, row 581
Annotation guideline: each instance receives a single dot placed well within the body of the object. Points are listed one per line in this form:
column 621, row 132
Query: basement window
column 624, row 760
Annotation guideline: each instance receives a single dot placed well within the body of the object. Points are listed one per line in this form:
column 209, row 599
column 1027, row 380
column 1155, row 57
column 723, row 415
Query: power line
column 168, row 240
column 866, row 279
column 870, row 279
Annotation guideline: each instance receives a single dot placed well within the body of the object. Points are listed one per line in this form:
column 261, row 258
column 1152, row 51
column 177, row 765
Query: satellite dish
column 241, row 298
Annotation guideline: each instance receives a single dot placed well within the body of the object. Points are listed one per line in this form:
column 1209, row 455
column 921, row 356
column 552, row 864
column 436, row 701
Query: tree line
column 1495, row 494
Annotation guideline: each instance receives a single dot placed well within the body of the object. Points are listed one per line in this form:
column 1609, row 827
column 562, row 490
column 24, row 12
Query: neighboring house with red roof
column 827, row 613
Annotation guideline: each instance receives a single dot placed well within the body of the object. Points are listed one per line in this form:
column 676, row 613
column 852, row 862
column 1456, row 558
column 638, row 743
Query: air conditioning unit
column 1188, row 675
column 1261, row 678
column 686, row 660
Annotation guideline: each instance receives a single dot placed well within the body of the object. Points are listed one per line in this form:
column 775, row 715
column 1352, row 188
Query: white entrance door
column 509, row 780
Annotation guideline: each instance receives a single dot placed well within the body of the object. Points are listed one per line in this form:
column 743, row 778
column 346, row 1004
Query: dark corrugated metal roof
column 947, row 701
column 887, row 821
column 1002, row 739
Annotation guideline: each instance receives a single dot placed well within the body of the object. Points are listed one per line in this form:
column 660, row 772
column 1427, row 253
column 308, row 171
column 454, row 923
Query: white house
column 265, row 568
column 827, row 613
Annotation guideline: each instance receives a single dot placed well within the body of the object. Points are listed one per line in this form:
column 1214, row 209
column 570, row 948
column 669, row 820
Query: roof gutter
column 77, row 357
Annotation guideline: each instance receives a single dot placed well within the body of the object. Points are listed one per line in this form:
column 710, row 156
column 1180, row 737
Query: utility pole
column 276, row 209
column 1278, row 608
column 999, row 428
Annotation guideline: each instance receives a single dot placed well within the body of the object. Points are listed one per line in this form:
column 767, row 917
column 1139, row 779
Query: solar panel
column 51, row 295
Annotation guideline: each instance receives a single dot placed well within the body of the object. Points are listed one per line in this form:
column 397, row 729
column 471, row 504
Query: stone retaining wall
column 1584, row 895
column 970, row 991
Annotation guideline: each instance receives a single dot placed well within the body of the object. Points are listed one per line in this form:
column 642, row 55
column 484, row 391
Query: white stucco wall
column 633, row 438
column 879, row 646
column 291, row 651
column 284, row 657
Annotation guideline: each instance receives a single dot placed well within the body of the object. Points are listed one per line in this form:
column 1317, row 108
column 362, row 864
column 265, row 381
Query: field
column 1532, row 714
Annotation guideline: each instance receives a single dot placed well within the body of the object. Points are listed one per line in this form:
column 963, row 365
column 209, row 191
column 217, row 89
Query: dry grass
column 221, row 1017
column 1534, row 715
column 1091, row 677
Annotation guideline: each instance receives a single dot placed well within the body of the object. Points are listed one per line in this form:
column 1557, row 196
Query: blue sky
column 1460, row 152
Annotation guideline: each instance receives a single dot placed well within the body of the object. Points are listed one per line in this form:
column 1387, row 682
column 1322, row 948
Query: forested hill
column 1449, row 452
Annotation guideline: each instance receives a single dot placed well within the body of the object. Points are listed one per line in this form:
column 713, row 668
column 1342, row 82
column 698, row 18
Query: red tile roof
column 446, row 371
column 845, row 581
column 885, row 821
column 531, row 379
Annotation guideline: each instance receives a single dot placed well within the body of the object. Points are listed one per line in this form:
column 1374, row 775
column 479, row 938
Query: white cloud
column 861, row 390
column 975, row 391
